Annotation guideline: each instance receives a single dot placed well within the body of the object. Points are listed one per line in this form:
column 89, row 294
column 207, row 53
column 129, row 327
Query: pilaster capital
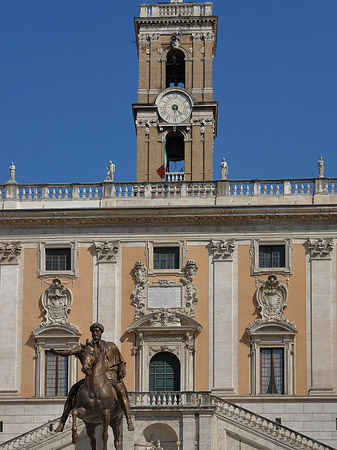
column 222, row 250
column 10, row 253
column 320, row 248
column 107, row 252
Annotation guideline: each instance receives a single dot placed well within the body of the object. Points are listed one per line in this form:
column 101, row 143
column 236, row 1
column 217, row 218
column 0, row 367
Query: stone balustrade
column 177, row 400
column 241, row 192
column 265, row 426
column 176, row 10
column 34, row 436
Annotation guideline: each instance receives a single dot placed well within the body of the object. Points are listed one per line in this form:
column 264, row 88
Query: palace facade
column 221, row 294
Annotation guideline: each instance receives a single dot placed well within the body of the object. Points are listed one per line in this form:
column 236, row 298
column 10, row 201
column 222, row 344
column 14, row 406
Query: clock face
column 175, row 107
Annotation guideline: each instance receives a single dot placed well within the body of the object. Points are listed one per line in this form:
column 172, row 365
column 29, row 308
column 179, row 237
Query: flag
column 162, row 169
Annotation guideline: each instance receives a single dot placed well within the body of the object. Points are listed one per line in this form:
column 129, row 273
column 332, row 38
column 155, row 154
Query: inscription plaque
column 164, row 297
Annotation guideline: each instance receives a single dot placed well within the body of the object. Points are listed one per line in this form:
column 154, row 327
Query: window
column 271, row 256
column 58, row 259
column 56, row 375
column 166, row 258
column 272, row 371
column 272, row 357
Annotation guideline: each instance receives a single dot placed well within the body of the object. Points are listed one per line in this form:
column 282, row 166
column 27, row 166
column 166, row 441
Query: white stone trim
column 60, row 337
column 255, row 245
column 150, row 245
column 42, row 246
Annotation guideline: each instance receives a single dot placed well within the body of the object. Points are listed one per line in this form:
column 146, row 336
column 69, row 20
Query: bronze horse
column 96, row 401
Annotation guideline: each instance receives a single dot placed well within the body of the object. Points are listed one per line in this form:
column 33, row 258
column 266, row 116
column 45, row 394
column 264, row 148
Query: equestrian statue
column 101, row 397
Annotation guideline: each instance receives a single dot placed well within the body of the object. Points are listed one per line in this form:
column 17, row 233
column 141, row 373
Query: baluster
column 265, row 190
column 277, row 189
column 296, row 189
column 332, row 188
column 120, row 193
column 66, row 193
column 308, row 188
column 235, row 189
column 241, row 189
column 90, row 192
column 96, row 192
column 53, row 194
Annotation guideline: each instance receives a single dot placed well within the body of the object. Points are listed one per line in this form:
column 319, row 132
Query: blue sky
column 69, row 76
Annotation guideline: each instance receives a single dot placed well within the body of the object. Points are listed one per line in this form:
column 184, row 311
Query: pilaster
column 320, row 252
column 108, row 298
column 224, row 317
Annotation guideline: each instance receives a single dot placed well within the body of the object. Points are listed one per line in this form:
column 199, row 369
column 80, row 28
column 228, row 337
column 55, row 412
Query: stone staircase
column 245, row 422
column 232, row 421
column 44, row 437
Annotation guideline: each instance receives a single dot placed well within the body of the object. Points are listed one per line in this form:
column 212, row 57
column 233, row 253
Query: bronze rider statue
column 115, row 372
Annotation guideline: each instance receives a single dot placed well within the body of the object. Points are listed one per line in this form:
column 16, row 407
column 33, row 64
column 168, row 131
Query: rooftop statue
column 111, row 171
column 321, row 165
column 224, row 169
column 101, row 397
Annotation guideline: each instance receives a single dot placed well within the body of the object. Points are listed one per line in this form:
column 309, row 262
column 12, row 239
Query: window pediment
column 165, row 318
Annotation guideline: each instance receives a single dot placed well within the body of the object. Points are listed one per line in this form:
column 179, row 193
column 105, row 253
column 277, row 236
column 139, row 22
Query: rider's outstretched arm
column 73, row 351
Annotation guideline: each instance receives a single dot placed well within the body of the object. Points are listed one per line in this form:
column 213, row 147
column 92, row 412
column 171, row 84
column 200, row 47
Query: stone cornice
column 169, row 216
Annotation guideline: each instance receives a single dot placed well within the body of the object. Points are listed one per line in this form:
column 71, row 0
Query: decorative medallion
column 272, row 297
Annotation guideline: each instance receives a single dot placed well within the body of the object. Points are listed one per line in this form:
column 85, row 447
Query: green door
column 164, row 372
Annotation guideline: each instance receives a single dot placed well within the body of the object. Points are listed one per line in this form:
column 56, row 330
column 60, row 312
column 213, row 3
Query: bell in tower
column 175, row 115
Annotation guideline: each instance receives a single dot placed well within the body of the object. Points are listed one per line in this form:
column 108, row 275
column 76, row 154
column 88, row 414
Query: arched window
column 175, row 150
column 164, row 372
column 175, row 68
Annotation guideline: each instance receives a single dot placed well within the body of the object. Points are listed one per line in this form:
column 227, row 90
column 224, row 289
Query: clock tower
column 176, row 44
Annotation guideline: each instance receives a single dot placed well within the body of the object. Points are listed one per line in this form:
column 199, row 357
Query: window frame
column 255, row 255
column 271, row 370
column 56, row 374
column 59, row 337
column 181, row 245
column 272, row 336
column 43, row 246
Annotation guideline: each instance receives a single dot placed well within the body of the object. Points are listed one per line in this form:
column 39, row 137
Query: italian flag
column 162, row 169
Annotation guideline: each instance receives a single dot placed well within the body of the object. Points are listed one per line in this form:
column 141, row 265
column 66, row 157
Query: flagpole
column 165, row 186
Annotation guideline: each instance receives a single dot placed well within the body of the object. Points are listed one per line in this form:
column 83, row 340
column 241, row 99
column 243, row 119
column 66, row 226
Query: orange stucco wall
column 248, row 312
column 81, row 314
column 129, row 257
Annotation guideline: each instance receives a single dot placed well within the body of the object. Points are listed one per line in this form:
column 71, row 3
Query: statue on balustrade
column 111, row 171
column 321, row 165
column 224, row 169
column 102, row 396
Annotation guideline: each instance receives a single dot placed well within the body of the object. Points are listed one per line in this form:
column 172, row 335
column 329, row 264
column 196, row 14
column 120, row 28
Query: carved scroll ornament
column 10, row 253
column 140, row 295
column 107, row 251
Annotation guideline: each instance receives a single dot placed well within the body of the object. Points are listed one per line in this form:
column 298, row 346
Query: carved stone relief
column 107, row 251
column 56, row 302
column 222, row 250
column 164, row 296
column 10, row 253
column 272, row 298
column 320, row 248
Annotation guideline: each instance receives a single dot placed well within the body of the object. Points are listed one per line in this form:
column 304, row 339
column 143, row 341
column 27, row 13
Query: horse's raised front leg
column 91, row 434
column 74, row 427
column 105, row 423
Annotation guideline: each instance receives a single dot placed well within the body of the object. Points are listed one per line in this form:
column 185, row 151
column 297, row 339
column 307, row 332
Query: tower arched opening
column 175, row 151
column 175, row 68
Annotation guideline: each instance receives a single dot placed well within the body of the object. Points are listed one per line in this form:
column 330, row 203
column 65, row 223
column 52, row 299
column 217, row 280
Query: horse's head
column 88, row 357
